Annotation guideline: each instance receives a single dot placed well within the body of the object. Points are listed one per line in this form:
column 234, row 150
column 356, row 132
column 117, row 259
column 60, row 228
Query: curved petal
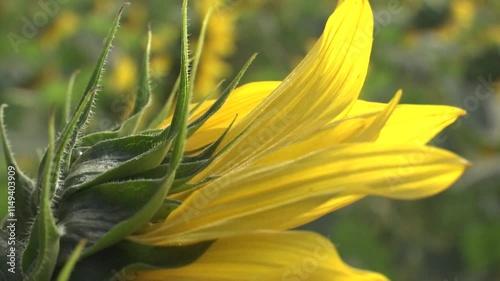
column 285, row 256
column 239, row 103
column 273, row 196
column 410, row 123
column 322, row 87
column 362, row 128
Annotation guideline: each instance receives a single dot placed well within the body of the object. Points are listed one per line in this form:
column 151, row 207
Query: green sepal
column 166, row 108
column 122, row 260
column 40, row 257
column 136, row 122
column 115, row 159
column 193, row 165
column 70, row 133
column 96, row 75
column 93, row 213
column 205, row 98
column 144, row 92
column 66, row 141
column 166, row 207
column 138, row 219
column 178, row 131
column 24, row 187
column 93, row 138
column 181, row 184
column 69, row 97
column 178, row 128
column 195, row 125
column 67, row 117
column 67, row 269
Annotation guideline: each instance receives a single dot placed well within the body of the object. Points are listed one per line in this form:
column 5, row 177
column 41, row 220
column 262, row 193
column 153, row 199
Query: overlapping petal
column 324, row 85
column 411, row 123
column 239, row 103
column 287, row 256
column 272, row 196
column 360, row 128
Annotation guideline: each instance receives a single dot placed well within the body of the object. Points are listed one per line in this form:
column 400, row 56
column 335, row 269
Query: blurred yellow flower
column 124, row 74
column 491, row 35
column 461, row 19
column 218, row 46
column 160, row 64
column 443, row 21
column 300, row 149
column 64, row 25
column 137, row 17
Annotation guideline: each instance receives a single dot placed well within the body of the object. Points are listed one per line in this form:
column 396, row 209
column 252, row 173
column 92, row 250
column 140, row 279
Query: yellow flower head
column 213, row 193
column 299, row 149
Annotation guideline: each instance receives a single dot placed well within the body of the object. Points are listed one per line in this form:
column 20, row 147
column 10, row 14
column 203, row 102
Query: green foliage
column 95, row 190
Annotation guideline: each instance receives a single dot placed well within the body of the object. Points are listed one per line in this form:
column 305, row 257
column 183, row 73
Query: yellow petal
column 361, row 128
column 417, row 124
column 273, row 196
column 327, row 207
column 410, row 123
column 323, row 86
column 286, row 256
column 239, row 103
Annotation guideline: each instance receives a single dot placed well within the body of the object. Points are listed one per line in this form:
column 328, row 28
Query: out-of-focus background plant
column 438, row 52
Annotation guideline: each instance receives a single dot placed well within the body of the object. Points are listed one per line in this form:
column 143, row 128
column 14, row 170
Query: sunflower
column 212, row 195
column 302, row 148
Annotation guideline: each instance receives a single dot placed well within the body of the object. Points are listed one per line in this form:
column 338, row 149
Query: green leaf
column 177, row 130
column 199, row 46
column 129, row 225
column 115, row 159
column 144, row 93
column 93, row 138
column 24, row 187
column 68, row 138
column 40, row 257
column 65, row 273
column 136, row 122
column 181, row 184
column 96, row 75
column 165, row 110
column 93, row 212
column 195, row 125
column 69, row 97
column 192, row 165
column 178, row 127
column 167, row 206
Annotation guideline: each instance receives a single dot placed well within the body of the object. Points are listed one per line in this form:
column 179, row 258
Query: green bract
column 93, row 190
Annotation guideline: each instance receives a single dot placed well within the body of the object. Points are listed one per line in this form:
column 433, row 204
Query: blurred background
column 438, row 52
